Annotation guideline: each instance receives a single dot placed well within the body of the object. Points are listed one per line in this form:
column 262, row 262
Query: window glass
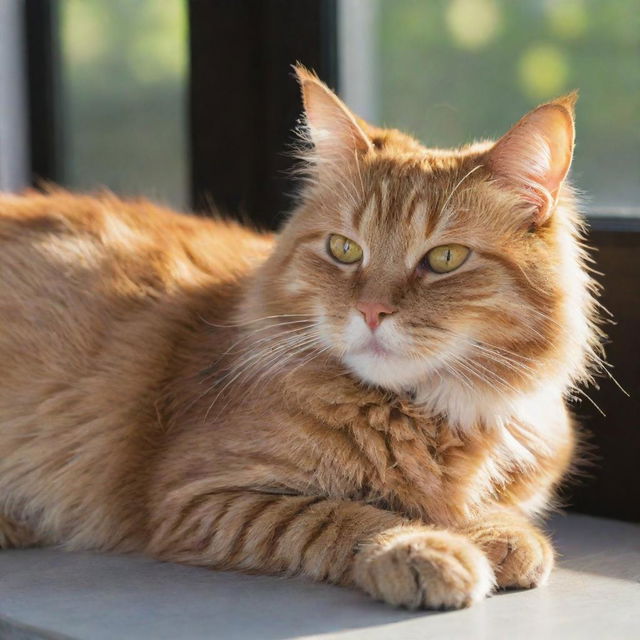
column 451, row 71
column 123, row 97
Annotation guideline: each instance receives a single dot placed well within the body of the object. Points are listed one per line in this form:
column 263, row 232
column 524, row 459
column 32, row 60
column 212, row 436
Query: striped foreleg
column 343, row 542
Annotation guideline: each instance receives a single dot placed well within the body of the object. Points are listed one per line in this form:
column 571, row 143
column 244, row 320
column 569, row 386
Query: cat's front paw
column 521, row 556
column 417, row 567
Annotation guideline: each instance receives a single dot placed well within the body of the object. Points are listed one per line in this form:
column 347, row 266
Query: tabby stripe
column 393, row 207
column 368, row 204
column 433, row 218
column 281, row 529
column 333, row 548
column 317, row 532
column 310, row 237
column 213, row 529
column 249, row 520
column 194, row 503
column 531, row 292
column 377, row 197
column 188, row 509
column 412, row 207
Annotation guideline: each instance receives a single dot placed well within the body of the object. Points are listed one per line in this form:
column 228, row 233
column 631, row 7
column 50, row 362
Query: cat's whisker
column 253, row 344
column 273, row 362
column 314, row 354
column 472, row 367
column 244, row 367
column 509, row 363
column 459, row 336
column 498, row 378
column 506, row 352
column 503, row 360
column 279, row 360
column 460, row 376
column 582, row 392
column 504, row 356
column 238, row 369
column 451, row 365
column 280, row 363
column 460, row 362
column 605, row 369
column 306, row 325
column 249, row 322
column 593, row 354
column 269, row 350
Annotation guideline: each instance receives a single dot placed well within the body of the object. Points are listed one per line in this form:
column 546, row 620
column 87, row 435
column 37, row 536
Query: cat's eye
column 344, row 249
column 446, row 258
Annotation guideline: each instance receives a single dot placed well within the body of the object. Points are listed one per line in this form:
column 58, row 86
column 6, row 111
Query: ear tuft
column 333, row 129
column 568, row 101
column 534, row 157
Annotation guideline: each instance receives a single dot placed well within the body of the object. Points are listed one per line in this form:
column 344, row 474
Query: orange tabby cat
column 375, row 397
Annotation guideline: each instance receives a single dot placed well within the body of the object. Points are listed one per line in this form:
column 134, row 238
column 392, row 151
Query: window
column 120, row 90
column 452, row 71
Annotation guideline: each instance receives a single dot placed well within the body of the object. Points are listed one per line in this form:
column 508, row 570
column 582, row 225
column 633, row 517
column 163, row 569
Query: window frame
column 245, row 112
column 43, row 65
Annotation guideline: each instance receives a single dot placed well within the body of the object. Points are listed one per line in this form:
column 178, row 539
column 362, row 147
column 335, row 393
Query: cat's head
column 431, row 268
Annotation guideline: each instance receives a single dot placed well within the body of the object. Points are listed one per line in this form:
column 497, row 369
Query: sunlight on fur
column 333, row 401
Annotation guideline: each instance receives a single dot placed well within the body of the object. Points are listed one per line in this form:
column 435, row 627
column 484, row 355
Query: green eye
column 447, row 257
column 343, row 249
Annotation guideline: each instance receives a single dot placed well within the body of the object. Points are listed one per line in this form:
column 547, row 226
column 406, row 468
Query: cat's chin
column 385, row 369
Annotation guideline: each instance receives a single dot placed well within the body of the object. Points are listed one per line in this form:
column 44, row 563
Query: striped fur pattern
column 206, row 394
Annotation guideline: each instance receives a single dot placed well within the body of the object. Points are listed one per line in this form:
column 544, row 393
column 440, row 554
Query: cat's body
column 180, row 387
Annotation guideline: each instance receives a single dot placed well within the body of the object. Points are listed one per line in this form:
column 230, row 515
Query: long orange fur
column 190, row 389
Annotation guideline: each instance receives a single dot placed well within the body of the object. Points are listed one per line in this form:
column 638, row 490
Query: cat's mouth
column 374, row 346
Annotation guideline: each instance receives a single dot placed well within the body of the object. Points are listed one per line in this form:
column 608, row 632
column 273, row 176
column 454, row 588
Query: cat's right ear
column 534, row 157
column 333, row 129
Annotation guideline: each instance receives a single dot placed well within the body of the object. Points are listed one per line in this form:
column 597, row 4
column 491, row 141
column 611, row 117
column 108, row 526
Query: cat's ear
column 333, row 129
column 534, row 157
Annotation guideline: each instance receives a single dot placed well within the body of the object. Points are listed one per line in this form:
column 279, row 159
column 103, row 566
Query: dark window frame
column 43, row 64
column 244, row 104
column 242, row 115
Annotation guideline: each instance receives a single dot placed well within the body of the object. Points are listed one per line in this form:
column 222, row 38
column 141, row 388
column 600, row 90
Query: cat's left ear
column 333, row 129
column 534, row 157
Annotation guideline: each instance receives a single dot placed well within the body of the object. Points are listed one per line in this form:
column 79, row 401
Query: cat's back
column 77, row 233
column 85, row 279
column 95, row 294
column 74, row 267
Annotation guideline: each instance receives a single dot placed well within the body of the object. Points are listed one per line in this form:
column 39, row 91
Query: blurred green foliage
column 123, row 92
column 454, row 70
column 448, row 71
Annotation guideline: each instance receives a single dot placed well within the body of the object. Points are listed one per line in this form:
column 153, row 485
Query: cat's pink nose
column 374, row 312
